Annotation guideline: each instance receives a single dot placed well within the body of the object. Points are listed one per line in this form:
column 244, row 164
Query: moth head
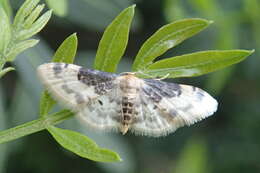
column 127, row 73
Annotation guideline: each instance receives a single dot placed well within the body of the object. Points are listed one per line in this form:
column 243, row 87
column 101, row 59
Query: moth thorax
column 129, row 84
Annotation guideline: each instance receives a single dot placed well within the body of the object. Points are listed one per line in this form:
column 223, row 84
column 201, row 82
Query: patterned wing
column 74, row 85
column 168, row 106
column 102, row 113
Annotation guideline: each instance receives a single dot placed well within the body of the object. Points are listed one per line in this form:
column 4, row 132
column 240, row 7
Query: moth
column 123, row 102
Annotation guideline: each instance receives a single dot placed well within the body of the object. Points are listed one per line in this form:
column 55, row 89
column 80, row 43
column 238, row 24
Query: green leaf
column 5, row 30
column 7, row 7
column 193, row 158
column 6, row 70
column 165, row 38
column 3, row 123
column 196, row 64
column 82, row 145
column 114, row 40
column 35, row 27
column 67, row 50
column 46, row 103
column 33, row 16
column 59, row 7
column 65, row 53
column 23, row 12
column 20, row 47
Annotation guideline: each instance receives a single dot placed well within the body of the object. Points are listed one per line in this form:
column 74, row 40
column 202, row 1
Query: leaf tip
column 251, row 51
column 36, row 40
column 49, row 12
column 207, row 22
column 74, row 35
column 133, row 6
column 118, row 158
column 210, row 21
column 6, row 70
column 41, row 5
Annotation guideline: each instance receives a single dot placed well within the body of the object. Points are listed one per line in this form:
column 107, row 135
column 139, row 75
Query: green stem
column 34, row 126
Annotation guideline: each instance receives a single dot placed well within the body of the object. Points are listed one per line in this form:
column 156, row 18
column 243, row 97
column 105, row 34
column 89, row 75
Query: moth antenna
column 145, row 74
column 164, row 77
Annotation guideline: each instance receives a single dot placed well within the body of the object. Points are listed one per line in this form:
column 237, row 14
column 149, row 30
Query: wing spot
column 187, row 108
column 151, row 119
column 200, row 95
column 93, row 82
column 100, row 102
column 111, row 99
column 158, row 88
column 116, row 118
column 179, row 93
column 95, row 77
column 79, row 98
column 173, row 113
column 66, row 65
column 57, row 68
column 152, row 94
column 67, row 89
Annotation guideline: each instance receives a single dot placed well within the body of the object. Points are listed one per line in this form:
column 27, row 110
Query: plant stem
column 34, row 126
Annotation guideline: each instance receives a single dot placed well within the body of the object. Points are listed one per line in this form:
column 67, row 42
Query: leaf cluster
column 15, row 36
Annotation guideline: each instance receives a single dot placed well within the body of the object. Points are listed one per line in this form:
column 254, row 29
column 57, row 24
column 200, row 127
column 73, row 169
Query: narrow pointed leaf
column 36, row 26
column 23, row 12
column 65, row 53
column 59, row 7
column 196, row 64
column 67, row 50
column 46, row 104
column 82, row 145
column 5, row 30
column 193, row 157
column 7, row 7
column 3, row 124
column 20, row 47
column 114, row 40
column 166, row 38
column 33, row 16
column 6, row 70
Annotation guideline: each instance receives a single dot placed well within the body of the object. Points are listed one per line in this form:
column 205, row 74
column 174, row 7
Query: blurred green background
column 228, row 142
